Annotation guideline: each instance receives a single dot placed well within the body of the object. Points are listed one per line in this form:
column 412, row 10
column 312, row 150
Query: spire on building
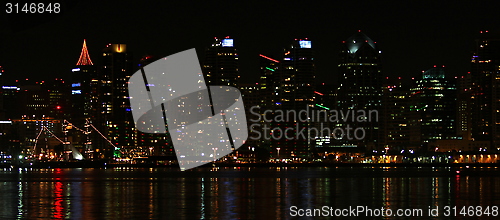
column 84, row 56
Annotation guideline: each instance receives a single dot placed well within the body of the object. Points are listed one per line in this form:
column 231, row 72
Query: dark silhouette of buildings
column 294, row 83
column 485, row 77
column 221, row 63
column 395, row 115
column 115, row 118
column 360, row 89
column 432, row 108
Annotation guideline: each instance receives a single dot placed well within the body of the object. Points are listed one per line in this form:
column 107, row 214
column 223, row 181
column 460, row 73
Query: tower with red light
column 83, row 88
column 84, row 93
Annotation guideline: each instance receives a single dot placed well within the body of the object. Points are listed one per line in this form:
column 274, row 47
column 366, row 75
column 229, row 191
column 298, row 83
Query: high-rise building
column 464, row 117
column 360, row 89
column 433, row 108
column 251, row 94
column 10, row 96
column 324, row 101
column 221, row 63
column 268, row 85
column 395, row 115
column 485, row 89
column 297, row 75
column 152, row 144
column 115, row 118
column 83, row 88
column 294, row 80
column 1, row 75
column 2, row 108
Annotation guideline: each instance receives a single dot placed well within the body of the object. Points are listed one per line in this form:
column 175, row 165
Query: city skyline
column 358, row 61
column 424, row 113
column 249, row 109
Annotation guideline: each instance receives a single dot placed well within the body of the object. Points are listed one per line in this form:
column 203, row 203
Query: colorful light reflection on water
column 231, row 193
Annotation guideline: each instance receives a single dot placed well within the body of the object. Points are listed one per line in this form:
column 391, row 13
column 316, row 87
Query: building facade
column 433, row 108
column 360, row 89
column 293, row 80
column 221, row 63
column 114, row 114
column 485, row 90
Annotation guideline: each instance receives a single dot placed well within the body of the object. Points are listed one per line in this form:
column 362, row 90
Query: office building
column 360, row 89
column 433, row 108
column 293, row 80
column 221, row 63
column 485, row 89
column 394, row 116
column 115, row 118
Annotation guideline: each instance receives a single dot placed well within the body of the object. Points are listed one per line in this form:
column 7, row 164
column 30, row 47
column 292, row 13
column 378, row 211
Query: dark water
column 240, row 193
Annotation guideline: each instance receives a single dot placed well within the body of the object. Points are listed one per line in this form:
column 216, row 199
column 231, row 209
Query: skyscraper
column 297, row 75
column 464, row 117
column 294, row 83
column 360, row 89
column 152, row 143
column 115, row 119
column 485, row 94
column 83, row 79
column 252, row 96
column 2, row 107
column 268, row 81
column 395, row 115
column 10, row 95
column 433, row 108
column 221, row 63
column 84, row 86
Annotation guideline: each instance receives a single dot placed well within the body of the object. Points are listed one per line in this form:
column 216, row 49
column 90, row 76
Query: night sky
column 413, row 35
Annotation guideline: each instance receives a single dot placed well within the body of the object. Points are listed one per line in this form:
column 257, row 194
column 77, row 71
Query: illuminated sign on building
column 305, row 44
column 227, row 43
column 322, row 141
column 10, row 87
column 326, row 142
column 76, row 92
column 75, row 85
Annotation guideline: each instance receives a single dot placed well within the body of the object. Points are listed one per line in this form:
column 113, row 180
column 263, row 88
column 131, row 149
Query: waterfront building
column 220, row 66
column 485, row 89
column 433, row 108
column 395, row 116
column 360, row 89
column 115, row 117
column 293, row 82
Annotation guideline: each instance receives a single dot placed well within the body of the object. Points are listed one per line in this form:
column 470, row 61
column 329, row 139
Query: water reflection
column 232, row 193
